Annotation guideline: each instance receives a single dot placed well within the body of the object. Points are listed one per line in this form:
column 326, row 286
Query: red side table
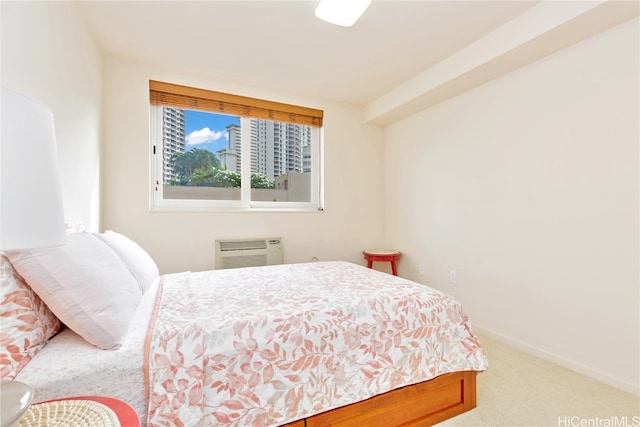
column 382, row 255
column 127, row 416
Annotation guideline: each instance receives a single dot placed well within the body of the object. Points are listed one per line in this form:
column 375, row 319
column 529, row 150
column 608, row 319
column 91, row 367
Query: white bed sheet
column 69, row 366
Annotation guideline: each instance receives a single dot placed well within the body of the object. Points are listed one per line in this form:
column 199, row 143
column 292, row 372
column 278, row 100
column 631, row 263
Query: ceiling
column 282, row 46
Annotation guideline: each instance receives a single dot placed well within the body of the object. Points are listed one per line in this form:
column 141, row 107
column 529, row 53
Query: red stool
column 382, row 255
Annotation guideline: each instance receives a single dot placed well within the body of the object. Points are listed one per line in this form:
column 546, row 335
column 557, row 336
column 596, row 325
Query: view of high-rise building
column 277, row 147
column 173, row 121
column 230, row 157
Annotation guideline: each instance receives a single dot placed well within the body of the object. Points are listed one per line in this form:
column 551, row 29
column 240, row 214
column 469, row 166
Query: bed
column 323, row 343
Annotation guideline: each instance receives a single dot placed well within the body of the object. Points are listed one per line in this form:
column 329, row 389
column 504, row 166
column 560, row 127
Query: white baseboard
column 561, row 361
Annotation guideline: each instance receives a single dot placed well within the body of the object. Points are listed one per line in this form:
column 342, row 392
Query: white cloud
column 205, row 135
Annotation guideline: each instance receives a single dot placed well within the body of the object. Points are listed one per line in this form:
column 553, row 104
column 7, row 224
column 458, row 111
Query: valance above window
column 172, row 95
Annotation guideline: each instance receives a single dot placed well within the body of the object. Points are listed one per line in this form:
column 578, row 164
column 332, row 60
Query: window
column 213, row 150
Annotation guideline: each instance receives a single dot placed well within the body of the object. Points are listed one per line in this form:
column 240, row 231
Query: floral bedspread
column 265, row 346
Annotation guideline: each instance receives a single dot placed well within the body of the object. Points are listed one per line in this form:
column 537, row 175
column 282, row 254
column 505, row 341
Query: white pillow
column 85, row 285
column 137, row 260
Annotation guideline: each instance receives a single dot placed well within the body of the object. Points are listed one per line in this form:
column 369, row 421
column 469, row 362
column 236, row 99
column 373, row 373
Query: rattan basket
column 69, row 413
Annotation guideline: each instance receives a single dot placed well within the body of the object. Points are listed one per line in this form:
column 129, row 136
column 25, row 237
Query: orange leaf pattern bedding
column 268, row 345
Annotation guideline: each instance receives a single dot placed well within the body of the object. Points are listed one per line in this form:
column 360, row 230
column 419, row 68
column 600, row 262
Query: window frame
column 217, row 102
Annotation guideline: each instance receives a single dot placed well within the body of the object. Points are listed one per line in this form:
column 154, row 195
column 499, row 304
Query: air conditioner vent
column 247, row 253
column 242, row 245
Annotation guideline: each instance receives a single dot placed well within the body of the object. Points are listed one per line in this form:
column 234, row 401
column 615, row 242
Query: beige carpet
column 523, row 390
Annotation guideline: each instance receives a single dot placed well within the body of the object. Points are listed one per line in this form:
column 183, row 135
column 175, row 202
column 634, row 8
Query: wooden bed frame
column 422, row 404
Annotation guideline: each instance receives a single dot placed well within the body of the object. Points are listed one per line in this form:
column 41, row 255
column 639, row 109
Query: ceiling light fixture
column 341, row 12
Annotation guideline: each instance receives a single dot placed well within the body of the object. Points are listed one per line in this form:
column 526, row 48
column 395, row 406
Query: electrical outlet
column 452, row 277
column 421, row 269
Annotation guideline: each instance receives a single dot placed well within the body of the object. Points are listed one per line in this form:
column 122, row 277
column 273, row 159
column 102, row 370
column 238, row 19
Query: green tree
column 217, row 177
column 185, row 164
column 214, row 177
column 261, row 181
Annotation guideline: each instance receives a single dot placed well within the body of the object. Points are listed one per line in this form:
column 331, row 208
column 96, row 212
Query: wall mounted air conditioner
column 248, row 252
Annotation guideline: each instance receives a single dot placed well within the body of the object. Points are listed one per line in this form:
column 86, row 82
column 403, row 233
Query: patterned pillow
column 27, row 323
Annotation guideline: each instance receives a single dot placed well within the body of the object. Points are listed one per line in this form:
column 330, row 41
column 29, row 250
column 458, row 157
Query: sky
column 207, row 130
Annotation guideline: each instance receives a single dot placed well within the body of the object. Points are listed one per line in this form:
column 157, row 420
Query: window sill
column 233, row 210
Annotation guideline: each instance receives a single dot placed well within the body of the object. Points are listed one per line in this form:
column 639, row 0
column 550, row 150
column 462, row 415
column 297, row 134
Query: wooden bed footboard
column 422, row 404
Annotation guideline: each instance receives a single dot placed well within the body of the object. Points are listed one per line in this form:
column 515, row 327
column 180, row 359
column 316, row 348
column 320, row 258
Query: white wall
column 353, row 217
column 528, row 187
column 49, row 55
